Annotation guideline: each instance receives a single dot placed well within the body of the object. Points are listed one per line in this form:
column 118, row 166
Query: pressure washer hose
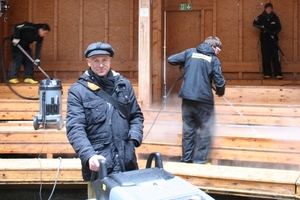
column 4, row 72
column 163, row 104
column 228, row 102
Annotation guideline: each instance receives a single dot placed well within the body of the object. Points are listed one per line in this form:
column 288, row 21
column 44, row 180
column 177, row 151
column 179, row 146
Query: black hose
column 4, row 73
column 164, row 102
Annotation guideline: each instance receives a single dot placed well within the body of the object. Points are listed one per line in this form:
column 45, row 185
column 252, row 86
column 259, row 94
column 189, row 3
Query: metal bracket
column 3, row 8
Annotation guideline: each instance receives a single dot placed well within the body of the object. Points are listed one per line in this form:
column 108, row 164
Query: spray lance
column 31, row 59
column 228, row 102
column 295, row 77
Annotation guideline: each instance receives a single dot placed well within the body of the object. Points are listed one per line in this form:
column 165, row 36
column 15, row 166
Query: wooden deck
column 262, row 141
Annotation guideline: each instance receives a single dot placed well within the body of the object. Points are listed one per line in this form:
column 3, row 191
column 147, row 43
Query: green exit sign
column 185, row 6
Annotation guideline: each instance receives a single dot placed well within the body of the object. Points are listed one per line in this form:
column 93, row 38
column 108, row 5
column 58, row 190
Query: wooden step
column 263, row 82
column 32, row 90
column 241, row 181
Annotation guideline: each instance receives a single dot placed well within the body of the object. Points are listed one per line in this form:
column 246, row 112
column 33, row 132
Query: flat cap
column 99, row 48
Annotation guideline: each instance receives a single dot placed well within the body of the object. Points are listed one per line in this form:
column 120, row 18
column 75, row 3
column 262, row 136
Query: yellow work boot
column 13, row 81
column 267, row 77
column 30, row 81
column 207, row 163
column 278, row 77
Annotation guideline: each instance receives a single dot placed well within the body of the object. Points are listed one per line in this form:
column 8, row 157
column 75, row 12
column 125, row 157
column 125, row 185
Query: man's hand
column 37, row 62
column 15, row 41
column 94, row 162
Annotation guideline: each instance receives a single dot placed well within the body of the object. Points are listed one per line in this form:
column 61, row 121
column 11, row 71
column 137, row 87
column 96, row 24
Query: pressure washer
column 151, row 183
column 50, row 96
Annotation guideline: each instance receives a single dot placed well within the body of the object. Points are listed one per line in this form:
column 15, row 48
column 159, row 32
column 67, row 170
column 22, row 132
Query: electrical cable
column 41, row 172
column 4, row 73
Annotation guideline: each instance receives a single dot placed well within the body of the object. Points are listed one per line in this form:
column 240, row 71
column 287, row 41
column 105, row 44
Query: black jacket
column 95, row 127
column 269, row 25
column 28, row 33
column 201, row 66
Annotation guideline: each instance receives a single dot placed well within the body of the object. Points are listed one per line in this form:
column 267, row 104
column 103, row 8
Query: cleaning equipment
column 294, row 74
column 146, row 184
column 50, row 92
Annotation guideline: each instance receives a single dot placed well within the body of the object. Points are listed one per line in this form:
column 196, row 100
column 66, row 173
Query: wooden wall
column 77, row 23
column 231, row 21
column 74, row 25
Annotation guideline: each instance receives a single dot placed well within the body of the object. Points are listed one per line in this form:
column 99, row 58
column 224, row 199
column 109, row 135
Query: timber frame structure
column 145, row 32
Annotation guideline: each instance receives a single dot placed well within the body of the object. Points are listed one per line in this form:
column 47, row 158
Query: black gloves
column 135, row 143
column 220, row 91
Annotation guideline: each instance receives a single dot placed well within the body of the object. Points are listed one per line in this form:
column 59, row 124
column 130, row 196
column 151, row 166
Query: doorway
column 183, row 31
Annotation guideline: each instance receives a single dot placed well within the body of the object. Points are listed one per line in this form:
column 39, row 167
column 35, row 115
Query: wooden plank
column 82, row 66
column 32, row 91
column 251, row 66
column 33, row 171
column 238, row 180
column 254, row 153
column 240, row 30
column 295, row 31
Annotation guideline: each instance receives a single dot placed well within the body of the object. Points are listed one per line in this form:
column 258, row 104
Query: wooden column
column 145, row 83
column 295, row 59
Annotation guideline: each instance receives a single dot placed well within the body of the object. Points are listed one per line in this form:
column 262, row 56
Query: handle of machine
column 31, row 59
column 102, row 173
column 158, row 160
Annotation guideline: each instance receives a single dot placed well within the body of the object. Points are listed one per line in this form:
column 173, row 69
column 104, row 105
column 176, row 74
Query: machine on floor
column 146, row 184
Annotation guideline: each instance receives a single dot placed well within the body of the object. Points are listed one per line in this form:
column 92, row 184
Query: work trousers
column 197, row 131
column 19, row 58
column 270, row 51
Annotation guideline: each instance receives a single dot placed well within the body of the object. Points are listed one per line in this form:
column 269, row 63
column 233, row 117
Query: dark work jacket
column 28, row 33
column 271, row 26
column 201, row 66
column 95, row 127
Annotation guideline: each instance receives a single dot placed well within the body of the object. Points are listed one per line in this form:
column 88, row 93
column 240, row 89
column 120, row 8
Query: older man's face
column 100, row 64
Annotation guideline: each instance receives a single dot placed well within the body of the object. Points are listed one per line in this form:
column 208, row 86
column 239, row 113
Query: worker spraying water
column 201, row 68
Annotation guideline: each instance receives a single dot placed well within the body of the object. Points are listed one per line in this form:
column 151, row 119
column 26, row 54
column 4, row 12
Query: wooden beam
column 80, row 35
column 295, row 57
column 131, row 27
column 202, row 21
column 215, row 17
column 106, row 18
column 30, row 10
column 55, row 24
column 240, row 24
column 145, row 74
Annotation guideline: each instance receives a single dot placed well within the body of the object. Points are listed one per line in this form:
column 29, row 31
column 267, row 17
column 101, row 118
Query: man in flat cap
column 104, row 120
column 269, row 25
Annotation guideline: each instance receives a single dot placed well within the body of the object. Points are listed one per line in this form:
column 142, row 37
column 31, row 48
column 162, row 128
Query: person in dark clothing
column 201, row 68
column 95, row 127
column 24, row 34
column 269, row 25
